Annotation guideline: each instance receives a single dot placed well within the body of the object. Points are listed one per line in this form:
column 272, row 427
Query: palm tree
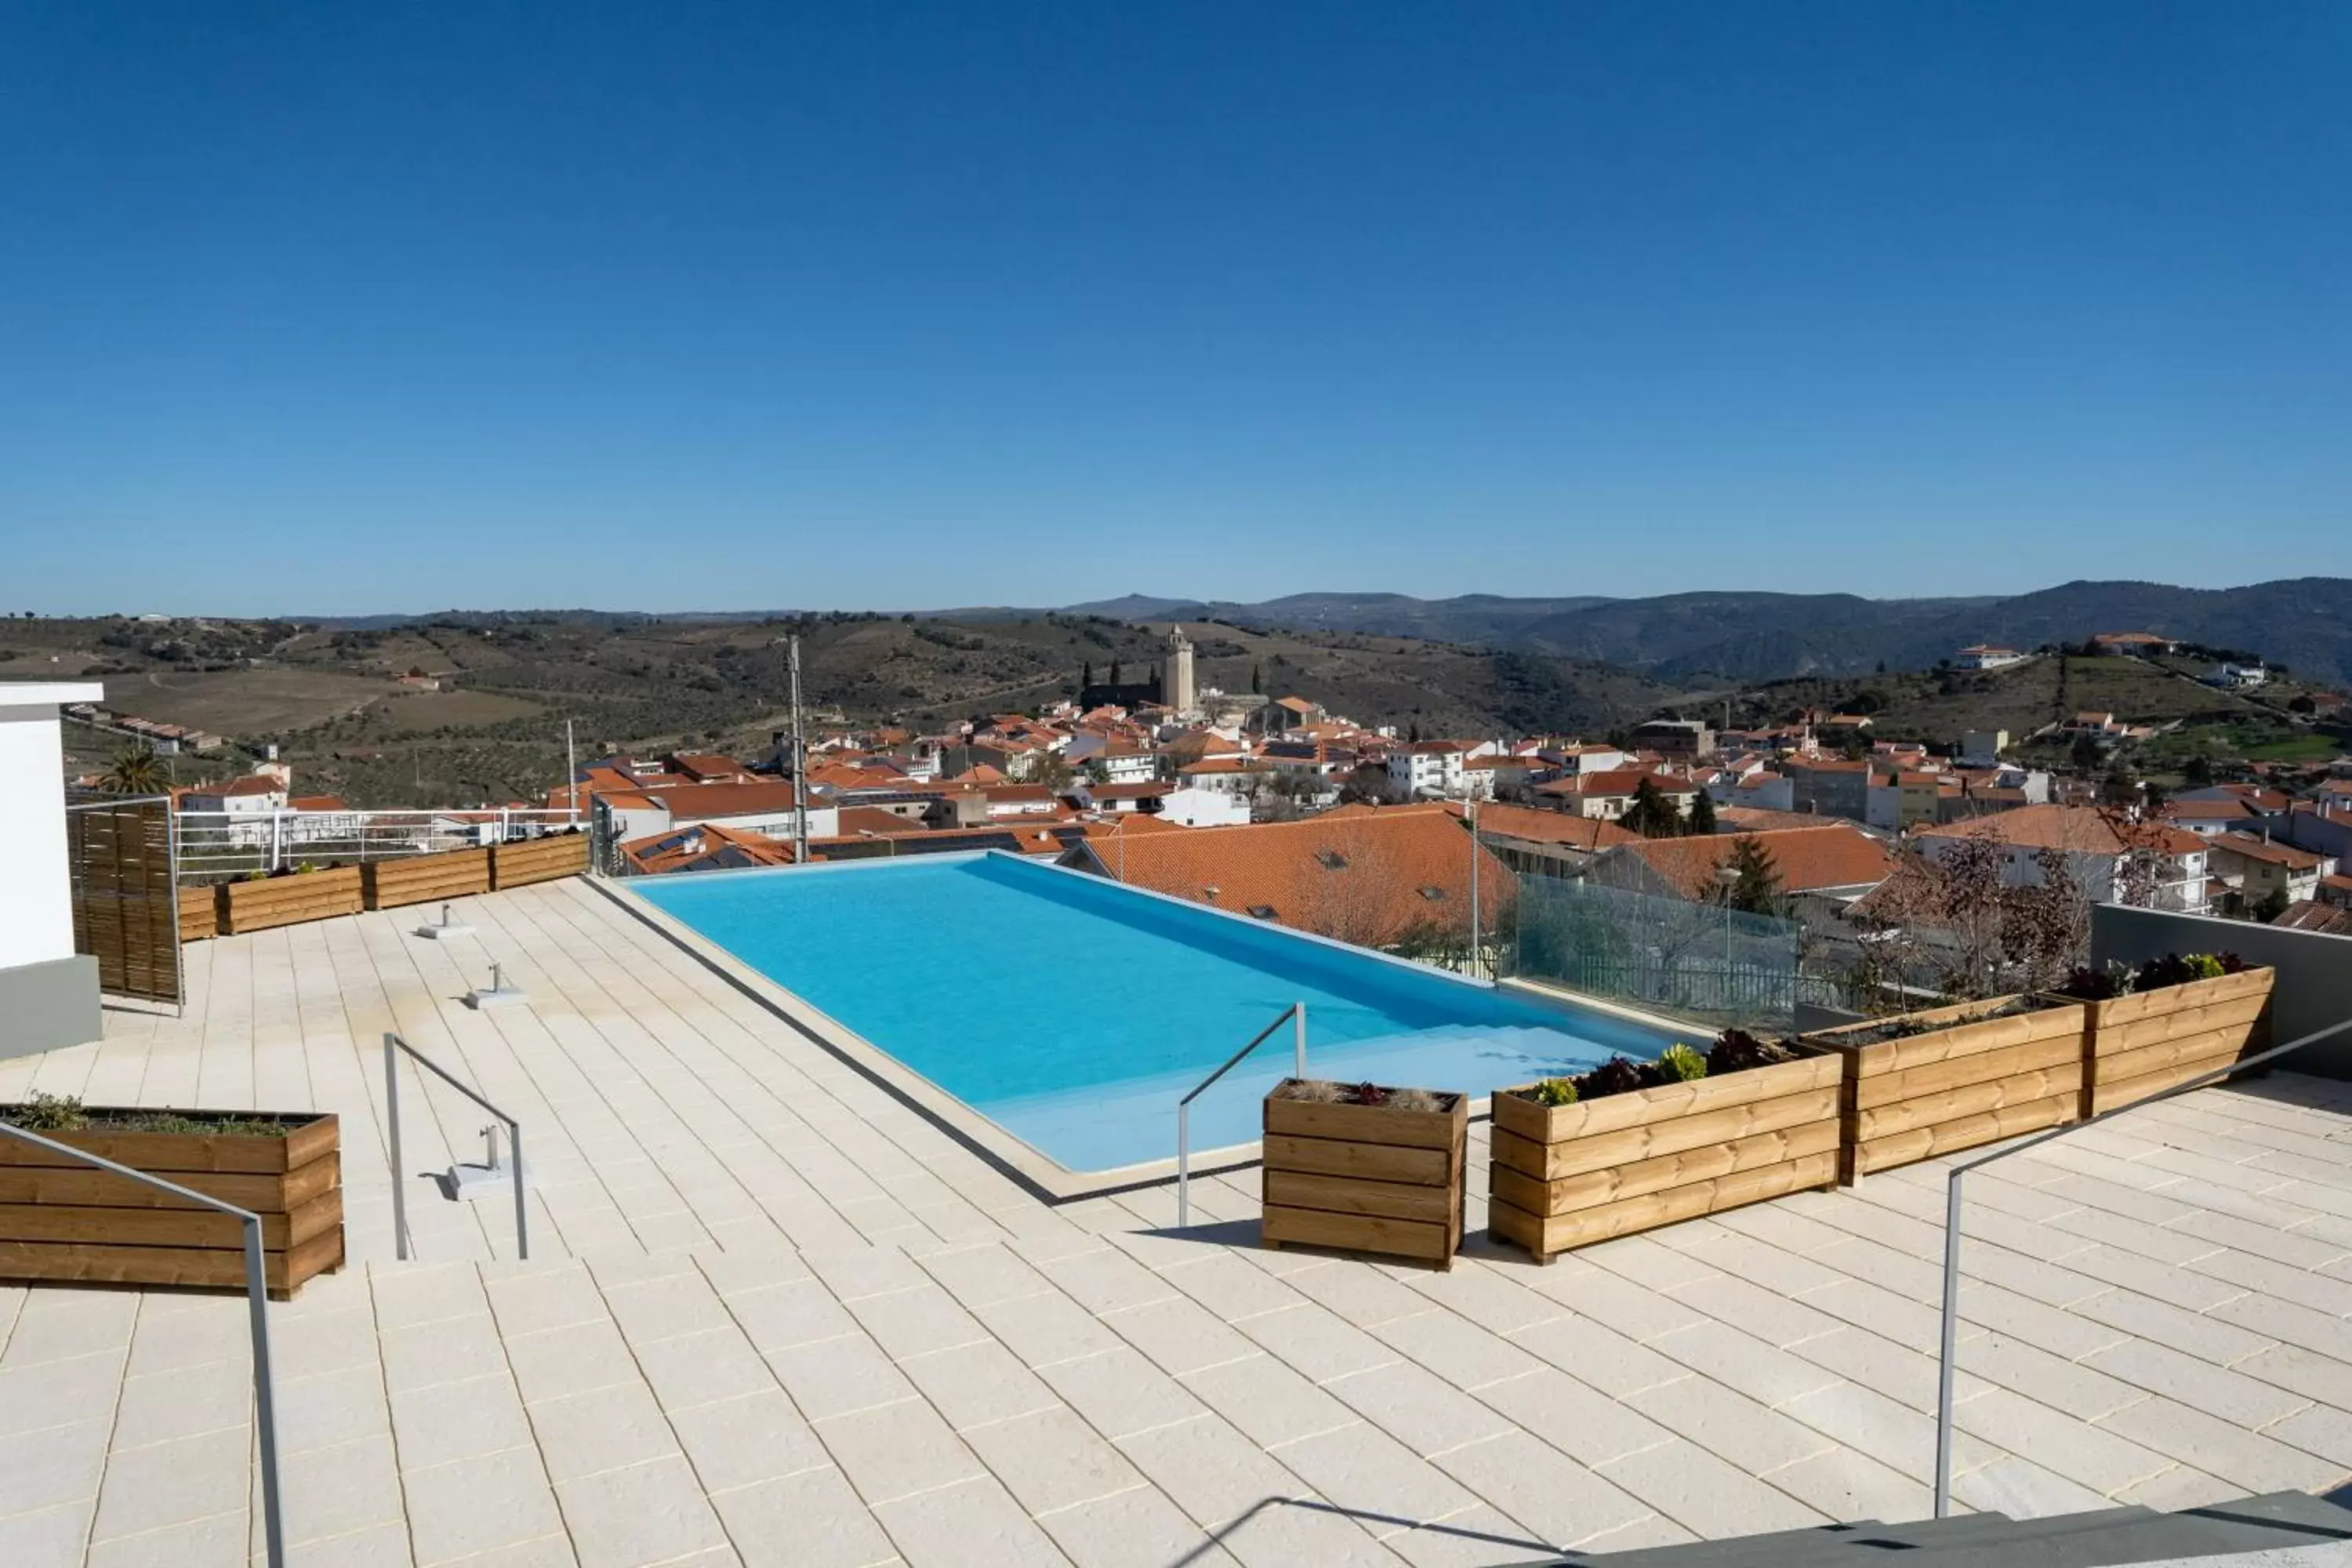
column 136, row 769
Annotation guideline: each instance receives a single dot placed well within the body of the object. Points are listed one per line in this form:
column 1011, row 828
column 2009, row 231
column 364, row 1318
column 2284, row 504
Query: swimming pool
column 1073, row 1012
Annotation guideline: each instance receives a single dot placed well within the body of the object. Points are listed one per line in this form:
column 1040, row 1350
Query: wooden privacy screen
column 123, row 898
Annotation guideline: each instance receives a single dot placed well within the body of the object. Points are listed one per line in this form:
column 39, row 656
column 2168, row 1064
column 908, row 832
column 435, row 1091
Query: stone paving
column 774, row 1317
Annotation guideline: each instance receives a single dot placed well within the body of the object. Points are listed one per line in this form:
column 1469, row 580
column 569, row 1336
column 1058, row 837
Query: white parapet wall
column 49, row 996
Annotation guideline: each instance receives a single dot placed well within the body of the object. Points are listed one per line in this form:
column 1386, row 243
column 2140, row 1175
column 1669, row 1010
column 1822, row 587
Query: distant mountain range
column 2304, row 623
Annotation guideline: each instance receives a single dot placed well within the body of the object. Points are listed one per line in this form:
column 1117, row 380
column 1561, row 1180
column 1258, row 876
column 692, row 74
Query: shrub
column 1554, row 1091
column 1618, row 1075
column 1681, row 1064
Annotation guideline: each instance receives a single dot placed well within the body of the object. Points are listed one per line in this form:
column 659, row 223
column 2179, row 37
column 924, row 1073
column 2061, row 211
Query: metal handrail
column 391, row 1103
column 1295, row 1016
column 256, row 1291
column 1952, row 1231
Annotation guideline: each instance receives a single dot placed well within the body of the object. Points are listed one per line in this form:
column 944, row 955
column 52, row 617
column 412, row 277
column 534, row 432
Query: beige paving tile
column 54, row 1466
column 640, row 1515
column 1417, row 1407
column 1364, row 1468
column 477, row 1505
column 811, row 1520
column 215, row 1542
column 49, row 1538
column 607, row 1429
column 575, row 1360
column 452, row 1420
column 974, row 1523
column 57, row 1392
column 834, row 1377
column 1269, row 1400
column 1120, row 1393
column 1135, row 1529
column 917, row 1320
column 743, row 1441
column 1050, row 1459
column 173, row 1483
column 1705, row 1495
column 983, row 1382
column 1541, row 1489
column 333, row 1491
column 330, row 1409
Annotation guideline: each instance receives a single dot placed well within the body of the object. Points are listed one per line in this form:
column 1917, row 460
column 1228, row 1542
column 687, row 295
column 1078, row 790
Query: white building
column 1423, row 768
column 1195, row 807
column 2098, row 853
column 48, row 993
column 2241, row 677
column 1987, row 655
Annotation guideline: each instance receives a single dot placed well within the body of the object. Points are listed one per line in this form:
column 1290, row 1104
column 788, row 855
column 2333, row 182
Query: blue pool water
column 1073, row 1012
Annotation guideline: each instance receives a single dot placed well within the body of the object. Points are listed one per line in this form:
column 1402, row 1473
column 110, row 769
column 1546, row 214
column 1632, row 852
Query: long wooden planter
column 422, row 878
column 1972, row 1079
column 2147, row 1042
column 544, row 859
column 289, row 901
column 1565, row 1176
column 1366, row 1177
column 63, row 1221
column 199, row 912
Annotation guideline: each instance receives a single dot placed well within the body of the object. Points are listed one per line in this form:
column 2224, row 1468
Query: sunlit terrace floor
column 774, row 1317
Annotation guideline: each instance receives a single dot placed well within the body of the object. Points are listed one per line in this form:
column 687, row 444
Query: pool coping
column 1040, row 1172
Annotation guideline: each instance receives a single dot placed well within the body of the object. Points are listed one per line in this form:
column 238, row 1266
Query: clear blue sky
column 354, row 307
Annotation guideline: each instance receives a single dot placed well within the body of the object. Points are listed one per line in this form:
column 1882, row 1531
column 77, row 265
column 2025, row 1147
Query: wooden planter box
column 422, row 878
column 199, row 913
column 289, row 901
column 1975, row 1079
column 531, row 860
column 1366, row 1178
column 63, row 1221
column 1563, row 1176
column 2150, row 1040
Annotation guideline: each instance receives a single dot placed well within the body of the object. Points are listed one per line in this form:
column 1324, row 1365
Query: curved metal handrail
column 1943, row 1400
column 1294, row 1015
column 257, row 1289
column 392, row 1043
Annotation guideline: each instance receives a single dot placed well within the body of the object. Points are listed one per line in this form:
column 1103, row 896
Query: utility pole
column 571, row 772
column 800, row 769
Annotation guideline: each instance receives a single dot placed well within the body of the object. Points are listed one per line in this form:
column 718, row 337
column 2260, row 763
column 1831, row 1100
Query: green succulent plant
column 1554, row 1091
column 1681, row 1064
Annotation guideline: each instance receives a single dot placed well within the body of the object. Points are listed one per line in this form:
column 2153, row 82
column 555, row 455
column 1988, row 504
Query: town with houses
column 1202, row 794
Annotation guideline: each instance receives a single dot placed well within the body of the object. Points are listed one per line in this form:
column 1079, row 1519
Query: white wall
column 35, row 898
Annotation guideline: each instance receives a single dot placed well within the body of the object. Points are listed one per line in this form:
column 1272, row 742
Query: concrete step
column 2107, row 1538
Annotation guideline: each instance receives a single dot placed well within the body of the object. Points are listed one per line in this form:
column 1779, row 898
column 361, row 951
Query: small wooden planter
column 1564, row 1176
column 1366, row 1177
column 289, row 901
column 422, row 878
column 544, row 859
column 1974, row 1081
column 199, row 912
column 63, row 1221
column 2150, row 1040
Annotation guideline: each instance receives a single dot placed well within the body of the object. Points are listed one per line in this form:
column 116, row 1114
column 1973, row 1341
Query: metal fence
column 229, row 843
column 1691, row 958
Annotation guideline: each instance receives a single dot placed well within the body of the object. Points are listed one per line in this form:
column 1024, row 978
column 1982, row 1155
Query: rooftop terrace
column 775, row 1315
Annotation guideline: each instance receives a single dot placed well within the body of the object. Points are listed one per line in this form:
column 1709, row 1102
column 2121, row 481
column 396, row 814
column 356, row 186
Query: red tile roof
column 1808, row 859
column 1362, row 877
column 2081, row 828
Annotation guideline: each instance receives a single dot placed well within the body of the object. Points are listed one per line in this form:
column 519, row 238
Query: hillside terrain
column 332, row 698
column 2304, row 623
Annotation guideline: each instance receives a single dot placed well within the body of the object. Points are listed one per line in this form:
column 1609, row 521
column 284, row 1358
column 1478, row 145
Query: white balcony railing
column 226, row 843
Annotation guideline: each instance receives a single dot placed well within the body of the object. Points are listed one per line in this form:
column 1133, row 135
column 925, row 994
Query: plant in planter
column 63, row 1220
column 2166, row 1021
column 1630, row 1146
column 1926, row 1083
column 288, row 896
column 1365, row 1166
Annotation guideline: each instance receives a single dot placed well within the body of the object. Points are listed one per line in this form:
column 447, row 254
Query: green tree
column 1258, row 680
column 1755, row 882
column 1702, row 814
column 1652, row 814
column 135, row 769
column 2197, row 772
column 2270, row 906
column 1086, row 675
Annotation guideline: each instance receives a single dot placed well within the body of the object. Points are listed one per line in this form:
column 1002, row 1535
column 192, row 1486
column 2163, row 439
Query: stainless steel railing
column 226, row 843
column 1295, row 1016
column 393, row 1047
column 1944, row 1401
column 256, row 1291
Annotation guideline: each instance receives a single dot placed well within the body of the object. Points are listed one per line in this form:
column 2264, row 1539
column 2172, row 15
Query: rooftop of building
column 773, row 1314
